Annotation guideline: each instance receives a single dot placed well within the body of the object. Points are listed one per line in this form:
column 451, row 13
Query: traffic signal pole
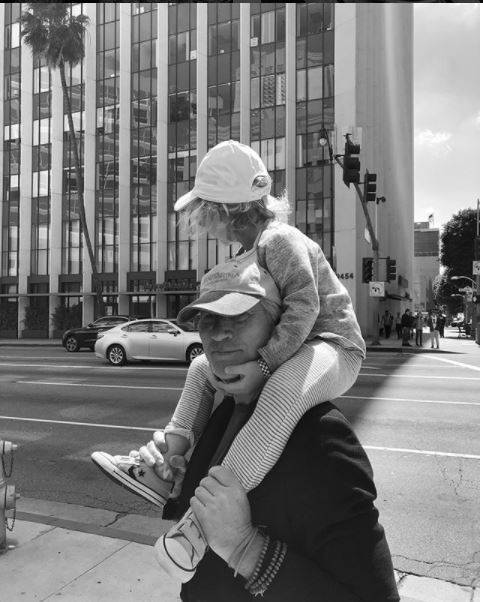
column 375, row 250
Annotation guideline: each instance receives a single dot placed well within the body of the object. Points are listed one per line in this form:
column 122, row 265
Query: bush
column 35, row 319
column 67, row 317
column 8, row 316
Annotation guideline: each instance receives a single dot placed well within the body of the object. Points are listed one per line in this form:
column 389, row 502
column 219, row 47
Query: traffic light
column 351, row 165
column 367, row 269
column 390, row 269
column 370, row 187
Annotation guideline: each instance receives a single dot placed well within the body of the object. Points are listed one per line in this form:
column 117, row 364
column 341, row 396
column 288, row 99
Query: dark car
column 86, row 336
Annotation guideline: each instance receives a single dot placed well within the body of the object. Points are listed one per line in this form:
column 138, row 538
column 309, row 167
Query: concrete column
column 162, row 156
column 245, row 72
column 2, row 95
column 290, row 105
column 124, row 155
column 89, row 158
column 25, row 209
column 346, row 204
column 55, row 246
column 202, row 110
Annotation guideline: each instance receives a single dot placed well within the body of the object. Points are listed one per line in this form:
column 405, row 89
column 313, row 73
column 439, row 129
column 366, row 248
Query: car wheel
column 71, row 344
column 116, row 355
column 193, row 352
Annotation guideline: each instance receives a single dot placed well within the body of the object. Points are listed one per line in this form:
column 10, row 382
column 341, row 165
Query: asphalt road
column 416, row 415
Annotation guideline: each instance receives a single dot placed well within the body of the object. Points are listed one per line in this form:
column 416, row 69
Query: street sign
column 476, row 268
column 376, row 289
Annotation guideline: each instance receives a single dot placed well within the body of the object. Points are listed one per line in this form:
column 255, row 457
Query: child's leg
column 189, row 420
column 319, row 371
column 196, row 401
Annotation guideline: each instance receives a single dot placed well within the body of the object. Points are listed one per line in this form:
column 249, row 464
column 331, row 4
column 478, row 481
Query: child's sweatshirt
column 314, row 301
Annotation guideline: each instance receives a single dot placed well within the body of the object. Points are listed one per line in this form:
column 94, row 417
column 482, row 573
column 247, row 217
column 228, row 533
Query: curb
column 381, row 348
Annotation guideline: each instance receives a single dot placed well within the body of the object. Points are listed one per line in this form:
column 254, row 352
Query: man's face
column 234, row 340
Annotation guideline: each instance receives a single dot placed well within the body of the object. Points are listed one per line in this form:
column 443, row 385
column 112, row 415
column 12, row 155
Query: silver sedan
column 150, row 339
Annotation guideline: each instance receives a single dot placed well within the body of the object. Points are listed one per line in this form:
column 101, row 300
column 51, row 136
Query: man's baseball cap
column 226, row 175
column 231, row 289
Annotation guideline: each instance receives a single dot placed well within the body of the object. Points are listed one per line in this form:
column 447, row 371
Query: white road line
column 422, row 452
column 151, row 428
column 405, row 365
column 461, row 364
column 92, row 367
column 420, row 376
column 65, row 422
column 52, row 384
column 459, row 403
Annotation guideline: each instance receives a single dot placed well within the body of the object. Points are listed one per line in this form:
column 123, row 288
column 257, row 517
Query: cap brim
column 184, row 200
column 222, row 303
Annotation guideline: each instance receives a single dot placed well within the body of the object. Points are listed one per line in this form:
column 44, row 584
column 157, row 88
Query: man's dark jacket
column 318, row 499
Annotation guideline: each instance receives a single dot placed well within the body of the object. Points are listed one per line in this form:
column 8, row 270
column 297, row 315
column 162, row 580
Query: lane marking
column 139, row 428
column 68, row 423
column 420, row 376
column 92, row 367
column 406, row 365
column 455, row 363
column 459, row 403
column 422, row 452
column 52, row 384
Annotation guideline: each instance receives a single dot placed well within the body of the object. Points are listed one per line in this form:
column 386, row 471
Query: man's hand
column 251, row 380
column 221, row 506
column 173, row 469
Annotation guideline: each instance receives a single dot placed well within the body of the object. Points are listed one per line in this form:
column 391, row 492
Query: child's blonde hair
column 200, row 215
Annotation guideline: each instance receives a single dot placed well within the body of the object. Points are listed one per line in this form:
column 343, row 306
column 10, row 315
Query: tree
column 53, row 33
column 457, row 243
column 457, row 255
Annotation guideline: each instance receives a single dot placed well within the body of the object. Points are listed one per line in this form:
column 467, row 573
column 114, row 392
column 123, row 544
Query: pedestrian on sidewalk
column 406, row 324
column 441, row 323
column 398, row 325
column 433, row 329
column 387, row 320
column 419, row 324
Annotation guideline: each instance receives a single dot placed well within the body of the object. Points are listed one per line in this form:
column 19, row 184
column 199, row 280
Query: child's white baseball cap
column 226, row 175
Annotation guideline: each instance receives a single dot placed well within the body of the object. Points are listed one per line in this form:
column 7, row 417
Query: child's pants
column 319, row 371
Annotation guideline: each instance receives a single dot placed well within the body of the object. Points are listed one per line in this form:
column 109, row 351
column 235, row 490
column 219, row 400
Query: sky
column 446, row 109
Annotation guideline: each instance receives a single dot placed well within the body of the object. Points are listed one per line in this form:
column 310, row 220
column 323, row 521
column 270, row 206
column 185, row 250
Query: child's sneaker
column 135, row 475
column 180, row 549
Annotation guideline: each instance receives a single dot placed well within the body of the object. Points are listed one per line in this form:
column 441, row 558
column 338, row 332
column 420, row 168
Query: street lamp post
column 325, row 140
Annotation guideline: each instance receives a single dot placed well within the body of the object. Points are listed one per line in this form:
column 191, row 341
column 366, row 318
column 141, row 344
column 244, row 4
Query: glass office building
column 160, row 84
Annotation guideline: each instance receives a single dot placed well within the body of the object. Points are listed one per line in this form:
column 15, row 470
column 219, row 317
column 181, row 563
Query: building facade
column 160, row 84
column 426, row 264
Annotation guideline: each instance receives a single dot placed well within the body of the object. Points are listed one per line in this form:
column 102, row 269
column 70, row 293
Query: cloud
column 437, row 142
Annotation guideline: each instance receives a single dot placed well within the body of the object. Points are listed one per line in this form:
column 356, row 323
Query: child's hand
column 251, row 381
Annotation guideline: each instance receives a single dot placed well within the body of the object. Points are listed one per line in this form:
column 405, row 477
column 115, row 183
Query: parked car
column 150, row 339
column 86, row 336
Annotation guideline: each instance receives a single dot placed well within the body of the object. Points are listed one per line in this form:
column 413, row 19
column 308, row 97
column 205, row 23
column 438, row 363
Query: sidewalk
column 77, row 553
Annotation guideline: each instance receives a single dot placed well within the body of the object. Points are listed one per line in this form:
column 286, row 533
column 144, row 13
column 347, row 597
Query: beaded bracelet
column 262, row 364
column 260, row 585
column 258, row 566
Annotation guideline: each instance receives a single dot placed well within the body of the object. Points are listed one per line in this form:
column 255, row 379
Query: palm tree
column 53, row 33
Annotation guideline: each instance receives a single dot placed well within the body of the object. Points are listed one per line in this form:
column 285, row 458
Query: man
column 310, row 530
column 398, row 325
column 406, row 324
column 441, row 323
column 387, row 321
column 433, row 329
column 419, row 324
